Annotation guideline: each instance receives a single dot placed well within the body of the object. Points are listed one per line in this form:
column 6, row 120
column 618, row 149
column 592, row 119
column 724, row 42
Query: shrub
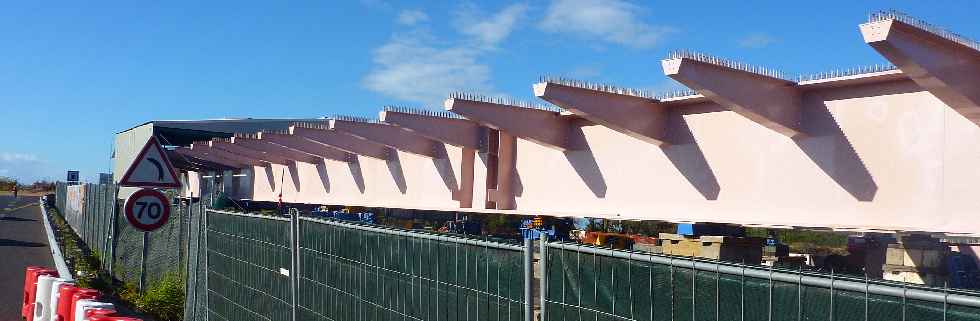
column 164, row 298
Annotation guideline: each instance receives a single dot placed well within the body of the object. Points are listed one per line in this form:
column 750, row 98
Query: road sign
column 73, row 177
column 151, row 168
column 147, row 209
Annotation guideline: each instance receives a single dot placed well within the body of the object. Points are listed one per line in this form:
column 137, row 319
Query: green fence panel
column 351, row 273
column 248, row 262
column 600, row 284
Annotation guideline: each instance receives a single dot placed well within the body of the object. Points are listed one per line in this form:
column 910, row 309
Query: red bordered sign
column 147, row 209
column 151, row 168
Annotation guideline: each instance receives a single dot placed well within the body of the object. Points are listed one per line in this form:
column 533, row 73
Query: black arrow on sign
column 159, row 167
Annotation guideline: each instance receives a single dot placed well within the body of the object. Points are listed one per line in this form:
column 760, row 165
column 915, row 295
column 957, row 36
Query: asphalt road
column 22, row 243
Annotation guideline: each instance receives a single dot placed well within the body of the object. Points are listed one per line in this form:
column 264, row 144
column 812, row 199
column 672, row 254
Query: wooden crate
column 725, row 248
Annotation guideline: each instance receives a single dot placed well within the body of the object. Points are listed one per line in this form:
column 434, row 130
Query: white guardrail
column 59, row 260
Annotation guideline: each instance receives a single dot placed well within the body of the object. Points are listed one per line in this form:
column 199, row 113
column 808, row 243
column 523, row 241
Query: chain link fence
column 95, row 214
column 272, row 268
column 588, row 283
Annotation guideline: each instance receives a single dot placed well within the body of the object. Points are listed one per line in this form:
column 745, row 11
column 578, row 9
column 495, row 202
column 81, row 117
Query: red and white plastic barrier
column 49, row 298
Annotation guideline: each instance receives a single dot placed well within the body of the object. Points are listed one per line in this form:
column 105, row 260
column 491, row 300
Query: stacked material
column 746, row 250
column 916, row 259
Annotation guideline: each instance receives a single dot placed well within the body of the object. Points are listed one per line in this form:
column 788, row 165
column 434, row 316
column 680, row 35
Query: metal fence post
column 294, row 260
column 528, row 279
column 207, row 300
column 112, row 231
column 146, row 240
column 544, row 277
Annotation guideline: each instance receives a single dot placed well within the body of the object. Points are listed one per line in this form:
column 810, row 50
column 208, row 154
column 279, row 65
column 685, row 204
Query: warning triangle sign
column 151, row 168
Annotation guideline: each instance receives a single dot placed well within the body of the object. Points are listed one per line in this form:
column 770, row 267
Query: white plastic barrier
column 53, row 303
column 43, row 297
column 83, row 306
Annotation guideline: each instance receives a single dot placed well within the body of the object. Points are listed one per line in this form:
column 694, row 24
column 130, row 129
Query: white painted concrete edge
column 59, row 260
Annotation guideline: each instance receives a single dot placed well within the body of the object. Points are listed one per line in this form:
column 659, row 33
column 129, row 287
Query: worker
column 15, row 189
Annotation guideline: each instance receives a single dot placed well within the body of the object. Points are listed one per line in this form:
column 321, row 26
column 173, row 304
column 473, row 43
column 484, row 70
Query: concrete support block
column 306, row 146
column 248, row 152
column 638, row 117
column 321, row 133
column 456, row 132
column 276, row 149
column 544, row 127
column 391, row 136
column 947, row 68
column 772, row 102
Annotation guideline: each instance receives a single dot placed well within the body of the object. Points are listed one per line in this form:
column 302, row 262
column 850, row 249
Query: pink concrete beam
column 305, row 145
column 242, row 150
column 342, row 141
column 503, row 195
column 187, row 152
column 946, row 68
column 772, row 102
column 456, row 132
column 204, row 149
column 388, row 135
column 276, row 149
column 638, row 117
column 543, row 127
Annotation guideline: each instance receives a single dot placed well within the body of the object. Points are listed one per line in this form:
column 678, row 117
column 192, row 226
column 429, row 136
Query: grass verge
column 163, row 300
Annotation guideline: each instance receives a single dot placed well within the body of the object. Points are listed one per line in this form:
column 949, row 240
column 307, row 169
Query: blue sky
column 74, row 74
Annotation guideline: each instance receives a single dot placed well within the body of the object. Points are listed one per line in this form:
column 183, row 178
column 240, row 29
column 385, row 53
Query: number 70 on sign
column 147, row 209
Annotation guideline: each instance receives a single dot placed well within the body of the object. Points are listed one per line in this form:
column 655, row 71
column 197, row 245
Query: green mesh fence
column 350, row 272
column 88, row 209
column 595, row 285
column 246, row 258
column 96, row 217
column 165, row 247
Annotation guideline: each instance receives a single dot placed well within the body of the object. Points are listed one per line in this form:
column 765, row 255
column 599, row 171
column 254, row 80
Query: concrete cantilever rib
column 187, row 162
column 196, row 156
column 276, row 149
column 772, row 102
column 305, row 145
column 638, row 117
column 388, row 135
column 203, row 149
column 342, row 141
column 948, row 69
column 456, row 132
column 543, row 127
column 255, row 154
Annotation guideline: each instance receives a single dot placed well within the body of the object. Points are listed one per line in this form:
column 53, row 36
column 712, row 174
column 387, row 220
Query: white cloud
column 489, row 30
column 17, row 157
column 413, row 69
column 412, row 17
column 23, row 167
column 415, row 66
column 756, row 40
column 612, row 21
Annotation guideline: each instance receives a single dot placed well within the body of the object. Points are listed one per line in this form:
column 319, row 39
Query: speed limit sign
column 147, row 209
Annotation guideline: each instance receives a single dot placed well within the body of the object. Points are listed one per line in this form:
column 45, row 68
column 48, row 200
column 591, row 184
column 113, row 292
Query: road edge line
column 59, row 260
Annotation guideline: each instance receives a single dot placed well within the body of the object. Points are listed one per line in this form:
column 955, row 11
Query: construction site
column 754, row 195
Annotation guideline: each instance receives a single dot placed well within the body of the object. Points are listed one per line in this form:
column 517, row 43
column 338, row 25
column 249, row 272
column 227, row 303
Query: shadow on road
column 16, row 219
column 16, row 243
